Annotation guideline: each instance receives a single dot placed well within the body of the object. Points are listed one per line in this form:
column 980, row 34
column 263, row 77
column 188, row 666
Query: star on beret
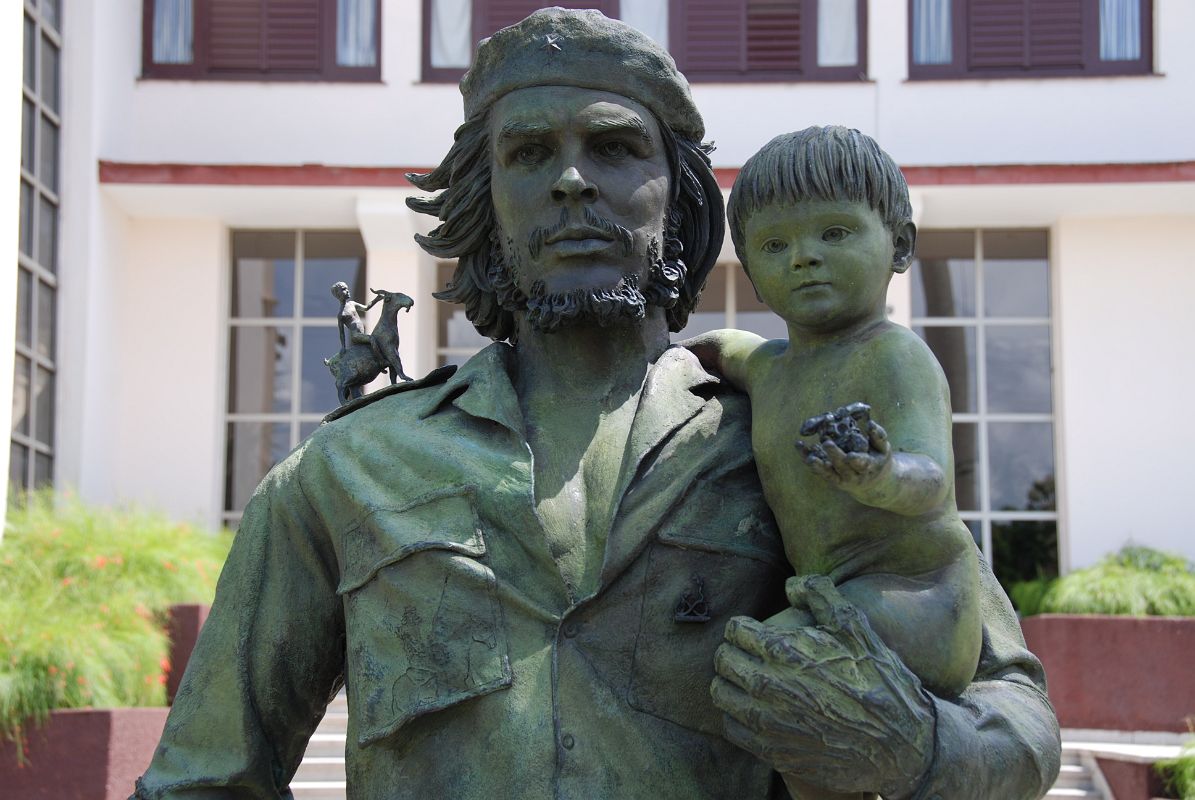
column 552, row 42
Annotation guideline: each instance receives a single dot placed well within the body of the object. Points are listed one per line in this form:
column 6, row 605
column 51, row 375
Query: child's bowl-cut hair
column 831, row 163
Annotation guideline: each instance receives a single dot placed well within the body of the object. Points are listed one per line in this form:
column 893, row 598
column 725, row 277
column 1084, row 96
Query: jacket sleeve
column 269, row 658
column 999, row 739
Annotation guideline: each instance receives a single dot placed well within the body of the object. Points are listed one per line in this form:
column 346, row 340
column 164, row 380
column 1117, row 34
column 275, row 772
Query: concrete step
column 1074, row 776
column 321, row 768
column 318, row 790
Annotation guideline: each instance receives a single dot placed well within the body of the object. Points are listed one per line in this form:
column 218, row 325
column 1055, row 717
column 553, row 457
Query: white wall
column 1127, row 375
column 403, row 122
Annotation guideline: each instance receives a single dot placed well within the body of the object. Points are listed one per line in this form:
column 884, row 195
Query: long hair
column 467, row 230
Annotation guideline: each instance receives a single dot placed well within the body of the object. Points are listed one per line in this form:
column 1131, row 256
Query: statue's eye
column 613, row 149
column 835, row 234
column 531, row 154
column 774, row 246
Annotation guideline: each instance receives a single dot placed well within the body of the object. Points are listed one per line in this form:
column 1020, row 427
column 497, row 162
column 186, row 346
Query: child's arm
column 908, row 468
column 726, row 352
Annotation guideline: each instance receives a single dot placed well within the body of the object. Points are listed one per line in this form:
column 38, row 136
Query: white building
column 197, row 173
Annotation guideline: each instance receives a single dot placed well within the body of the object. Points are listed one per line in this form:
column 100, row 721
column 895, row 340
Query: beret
column 562, row 47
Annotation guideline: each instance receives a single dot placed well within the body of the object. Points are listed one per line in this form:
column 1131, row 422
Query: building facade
column 199, row 173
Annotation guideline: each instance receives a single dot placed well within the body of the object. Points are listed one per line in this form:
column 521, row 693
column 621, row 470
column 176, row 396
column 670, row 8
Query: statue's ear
column 904, row 242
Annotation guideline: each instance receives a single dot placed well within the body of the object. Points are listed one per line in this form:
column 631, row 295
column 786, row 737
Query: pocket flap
column 442, row 520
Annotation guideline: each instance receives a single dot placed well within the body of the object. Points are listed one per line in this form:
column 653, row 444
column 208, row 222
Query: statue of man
column 521, row 571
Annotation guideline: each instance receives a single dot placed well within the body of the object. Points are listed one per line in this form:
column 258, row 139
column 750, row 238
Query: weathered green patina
column 521, row 572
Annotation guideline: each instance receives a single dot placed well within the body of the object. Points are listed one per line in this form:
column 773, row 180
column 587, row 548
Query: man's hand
column 831, row 704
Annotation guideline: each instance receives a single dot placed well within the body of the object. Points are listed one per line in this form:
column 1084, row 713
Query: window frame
column 199, row 69
column 430, row 74
column 1093, row 65
column 807, row 74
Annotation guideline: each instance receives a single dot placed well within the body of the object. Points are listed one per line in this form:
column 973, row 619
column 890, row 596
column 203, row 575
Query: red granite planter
column 1117, row 673
column 83, row 754
column 185, row 623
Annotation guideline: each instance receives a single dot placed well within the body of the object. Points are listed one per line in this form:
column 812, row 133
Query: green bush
column 83, row 599
column 1179, row 773
column 1136, row 582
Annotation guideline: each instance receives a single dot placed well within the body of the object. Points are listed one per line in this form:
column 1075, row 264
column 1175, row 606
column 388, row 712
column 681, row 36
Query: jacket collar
column 482, row 388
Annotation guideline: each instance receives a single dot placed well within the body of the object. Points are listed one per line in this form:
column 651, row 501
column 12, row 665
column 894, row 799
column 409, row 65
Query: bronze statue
column 821, row 221
column 521, row 570
column 362, row 355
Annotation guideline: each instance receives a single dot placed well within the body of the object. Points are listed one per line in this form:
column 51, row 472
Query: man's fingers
column 837, row 458
column 746, row 634
column 741, row 669
column 878, row 437
column 859, row 462
column 829, row 608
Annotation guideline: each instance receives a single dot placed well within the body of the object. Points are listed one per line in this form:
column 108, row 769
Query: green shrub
column 1136, row 582
column 1179, row 773
column 83, row 599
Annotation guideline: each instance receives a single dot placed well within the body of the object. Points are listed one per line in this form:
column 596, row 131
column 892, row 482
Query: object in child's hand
column 846, row 427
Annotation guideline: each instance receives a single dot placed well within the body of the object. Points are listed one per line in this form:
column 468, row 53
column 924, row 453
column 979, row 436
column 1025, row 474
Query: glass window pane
column 20, row 395
column 1022, row 466
column 30, row 52
column 751, row 314
column 318, row 391
column 932, row 33
column 47, row 233
column 48, row 161
column 451, row 33
column 253, row 448
column 1024, row 549
column 49, row 74
column 1016, row 278
column 24, row 307
column 356, row 28
column 954, row 347
column 975, row 527
column 27, row 207
column 1018, row 365
column 45, row 320
column 943, row 287
column 1120, row 30
column 965, row 441
column 263, row 275
column 307, row 428
column 28, row 129
column 837, row 33
column 327, row 259
column 51, row 11
column 710, row 313
column 453, row 329
column 18, row 465
column 43, row 470
column 43, row 404
column 259, row 369
column 174, row 25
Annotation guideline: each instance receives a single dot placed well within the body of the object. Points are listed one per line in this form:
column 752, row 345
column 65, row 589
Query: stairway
column 321, row 775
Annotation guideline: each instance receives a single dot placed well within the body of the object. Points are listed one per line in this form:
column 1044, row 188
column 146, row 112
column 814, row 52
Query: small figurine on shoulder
column 362, row 355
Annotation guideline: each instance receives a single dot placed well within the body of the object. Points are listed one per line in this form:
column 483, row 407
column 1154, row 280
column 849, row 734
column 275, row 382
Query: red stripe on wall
column 323, row 175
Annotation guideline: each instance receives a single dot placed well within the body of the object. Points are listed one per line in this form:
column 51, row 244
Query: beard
column 548, row 312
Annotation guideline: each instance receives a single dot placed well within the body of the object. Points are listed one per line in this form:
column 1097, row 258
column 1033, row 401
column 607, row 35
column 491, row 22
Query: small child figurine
column 821, row 220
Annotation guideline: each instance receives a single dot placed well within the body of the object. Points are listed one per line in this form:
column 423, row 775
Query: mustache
column 540, row 236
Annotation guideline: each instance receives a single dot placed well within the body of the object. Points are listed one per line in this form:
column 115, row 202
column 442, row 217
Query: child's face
column 821, row 265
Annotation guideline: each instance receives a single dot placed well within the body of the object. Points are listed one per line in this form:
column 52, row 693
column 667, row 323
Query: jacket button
column 568, row 741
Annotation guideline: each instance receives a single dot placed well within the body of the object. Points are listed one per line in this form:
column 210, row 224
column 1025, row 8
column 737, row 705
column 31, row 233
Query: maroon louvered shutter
column 773, row 42
column 1009, row 35
column 707, row 36
column 292, row 36
column 264, row 36
column 490, row 15
column 234, row 36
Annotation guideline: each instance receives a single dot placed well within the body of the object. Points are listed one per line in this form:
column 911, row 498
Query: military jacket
column 398, row 551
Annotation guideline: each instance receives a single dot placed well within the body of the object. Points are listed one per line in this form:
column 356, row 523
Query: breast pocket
column 717, row 558
column 423, row 621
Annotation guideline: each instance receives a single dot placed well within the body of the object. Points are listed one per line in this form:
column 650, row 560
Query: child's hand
column 858, row 473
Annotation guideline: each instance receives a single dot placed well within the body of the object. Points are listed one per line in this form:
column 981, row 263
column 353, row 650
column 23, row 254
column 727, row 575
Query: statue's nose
column 572, row 185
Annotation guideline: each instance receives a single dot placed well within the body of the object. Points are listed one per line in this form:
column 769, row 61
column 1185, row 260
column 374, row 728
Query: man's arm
column 727, row 353
column 269, row 658
column 831, row 705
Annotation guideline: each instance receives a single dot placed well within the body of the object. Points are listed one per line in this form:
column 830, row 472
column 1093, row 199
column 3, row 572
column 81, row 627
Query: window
column 1020, row 38
column 711, row 40
column 755, row 40
column 262, row 39
column 981, row 301
column 31, row 453
column 282, row 325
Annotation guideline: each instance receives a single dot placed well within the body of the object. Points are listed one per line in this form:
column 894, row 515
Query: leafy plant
column 84, row 594
column 1137, row 582
column 1178, row 773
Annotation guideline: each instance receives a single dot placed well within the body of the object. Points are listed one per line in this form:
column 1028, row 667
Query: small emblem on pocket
column 693, row 607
